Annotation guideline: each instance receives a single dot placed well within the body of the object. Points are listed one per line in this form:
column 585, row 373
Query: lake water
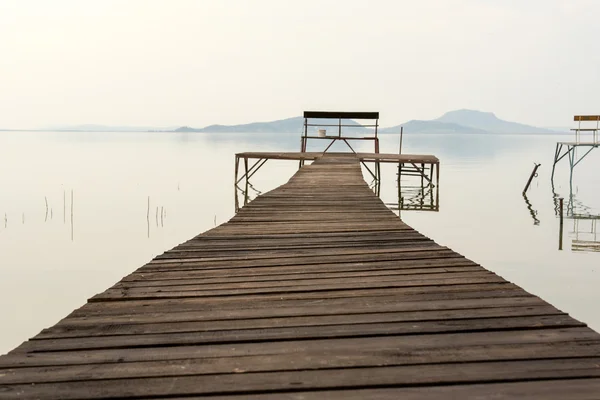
column 135, row 195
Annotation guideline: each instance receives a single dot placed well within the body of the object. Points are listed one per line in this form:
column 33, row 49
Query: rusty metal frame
column 571, row 153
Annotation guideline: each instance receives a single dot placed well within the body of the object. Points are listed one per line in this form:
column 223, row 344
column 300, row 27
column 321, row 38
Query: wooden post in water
column 533, row 174
column 560, row 232
column 400, row 151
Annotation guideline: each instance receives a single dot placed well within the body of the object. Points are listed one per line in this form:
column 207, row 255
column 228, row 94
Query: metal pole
column 401, row 134
column 247, row 180
column 560, row 232
column 235, row 187
column 237, row 162
column 556, row 152
column 376, row 138
column 303, row 141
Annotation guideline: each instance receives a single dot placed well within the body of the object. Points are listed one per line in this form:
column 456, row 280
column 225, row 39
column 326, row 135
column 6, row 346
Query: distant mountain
column 488, row 121
column 458, row 121
column 467, row 121
column 106, row 128
column 433, row 126
column 288, row 125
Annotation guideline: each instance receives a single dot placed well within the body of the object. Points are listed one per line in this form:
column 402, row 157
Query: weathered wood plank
column 408, row 345
column 575, row 389
column 303, row 332
column 248, row 382
column 164, row 324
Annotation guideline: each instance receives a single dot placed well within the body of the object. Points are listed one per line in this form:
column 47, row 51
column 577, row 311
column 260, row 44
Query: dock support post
column 437, row 185
column 556, row 152
column 235, row 184
column 400, row 200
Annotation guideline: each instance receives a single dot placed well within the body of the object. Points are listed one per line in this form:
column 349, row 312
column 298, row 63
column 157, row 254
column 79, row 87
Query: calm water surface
column 136, row 195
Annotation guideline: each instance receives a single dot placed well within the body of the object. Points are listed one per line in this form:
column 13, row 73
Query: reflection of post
column 72, row 225
column 533, row 212
column 148, row 217
column 560, row 232
column 434, row 205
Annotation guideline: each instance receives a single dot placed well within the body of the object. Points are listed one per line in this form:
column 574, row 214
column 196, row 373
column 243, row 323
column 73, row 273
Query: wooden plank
column 321, row 312
column 163, row 324
column 401, row 266
column 143, row 281
column 341, row 115
column 307, row 259
column 389, row 276
column 306, row 332
column 401, row 346
column 423, row 295
column 575, row 389
column 175, row 293
column 432, row 374
column 276, row 362
column 586, row 118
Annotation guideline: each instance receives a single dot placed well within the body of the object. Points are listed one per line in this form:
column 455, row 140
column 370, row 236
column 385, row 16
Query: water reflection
column 532, row 211
column 245, row 191
column 584, row 233
column 423, row 197
column 416, row 189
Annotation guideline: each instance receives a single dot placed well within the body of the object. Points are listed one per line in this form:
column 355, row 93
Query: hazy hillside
column 458, row 121
column 418, row 126
column 288, row 125
column 105, row 128
column 466, row 121
column 488, row 121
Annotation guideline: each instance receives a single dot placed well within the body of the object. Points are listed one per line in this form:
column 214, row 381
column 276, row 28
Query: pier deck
column 315, row 290
column 365, row 157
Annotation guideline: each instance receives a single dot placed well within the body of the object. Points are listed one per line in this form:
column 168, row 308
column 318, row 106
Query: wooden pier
column 315, row 290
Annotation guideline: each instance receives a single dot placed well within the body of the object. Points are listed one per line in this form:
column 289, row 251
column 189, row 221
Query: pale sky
column 185, row 62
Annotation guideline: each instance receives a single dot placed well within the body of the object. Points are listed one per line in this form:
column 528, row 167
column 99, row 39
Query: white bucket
column 322, row 132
